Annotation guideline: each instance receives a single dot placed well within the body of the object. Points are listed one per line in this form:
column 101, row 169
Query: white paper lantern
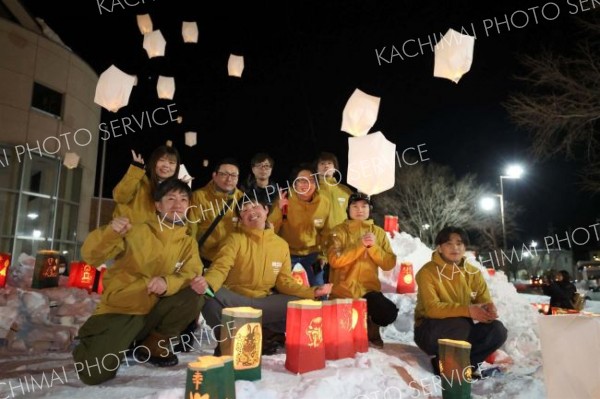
column 71, row 160
column 190, row 139
column 235, row 65
column 205, row 163
column 371, row 163
column 169, row 143
column 189, row 31
column 453, row 55
column 184, row 175
column 179, row 119
column 113, row 89
column 165, row 87
column 144, row 23
column 360, row 113
column 154, row 44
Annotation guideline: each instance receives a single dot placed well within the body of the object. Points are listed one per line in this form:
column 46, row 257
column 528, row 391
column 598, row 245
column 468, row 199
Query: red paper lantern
column 299, row 275
column 337, row 329
column 491, row 271
column 4, row 265
column 304, row 348
column 84, row 276
column 390, row 223
column 406, row 279
column 359, row 325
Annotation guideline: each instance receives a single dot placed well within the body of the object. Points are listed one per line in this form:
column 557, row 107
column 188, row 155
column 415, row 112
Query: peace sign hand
column 137, row 157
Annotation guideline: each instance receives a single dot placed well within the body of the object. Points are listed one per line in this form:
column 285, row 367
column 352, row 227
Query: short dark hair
column 565, row 275
column 300, row 168
column 444, row 235
column 261, row 156
column 226, row 161
column 259, row 198
column 171, row 185
column 328, row 156
column 158, row 153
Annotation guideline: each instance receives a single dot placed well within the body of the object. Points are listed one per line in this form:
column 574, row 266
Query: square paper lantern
column 235, row 65
column 245, row 323
column 337, row 329
column 453, row 55
column 4, row 265
column 455, row 370
column 360, row 113
column 113, row 89
column 359, row 325
column 154, row 44
column 304, row 347
column 191, row 139
column 46, row 270
column 204, row 378
column 165, row 87
column 144, row 23
column 71, row 160
column 390, row 224
column 81, row 275
column 371, row 163
column 189, row 31
column 406, row 279
column 299, row 275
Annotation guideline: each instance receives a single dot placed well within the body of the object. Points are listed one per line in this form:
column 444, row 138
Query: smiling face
column 305, row 185
column 254, row 215
column 173, row 205
column 165, row 167
column 452, row 250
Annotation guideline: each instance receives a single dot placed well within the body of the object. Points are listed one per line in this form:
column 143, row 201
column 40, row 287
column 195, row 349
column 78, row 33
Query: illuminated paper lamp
column 179, row 119
column 4, row 265
column 81, row 275
column 205, row 163
column 46, row 270
column 453, row 55
column 491, row 271
column 299, row 275
column 360, row 113
column 371, row 163
column 165, row 87
column 304, row 347
column 184, row 175
column 235, row 65
column 406, row 279
column 455, row 370
column 189, row 31
column 204, row 378
column 390, row 224
column 359, row 325
column 191, row 139
column 113, row 89
column 71, row 160
column 154, row 44
column 144, row 23
column 337, row 329
column 245, row 323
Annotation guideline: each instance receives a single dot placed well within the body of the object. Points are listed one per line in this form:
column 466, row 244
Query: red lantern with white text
column 359, row 325
column 406, row 279
column 4, row 265
column 337, row 329
column 304, row 348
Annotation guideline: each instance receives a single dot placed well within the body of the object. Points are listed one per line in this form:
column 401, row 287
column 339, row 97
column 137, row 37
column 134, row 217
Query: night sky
column 305, row 58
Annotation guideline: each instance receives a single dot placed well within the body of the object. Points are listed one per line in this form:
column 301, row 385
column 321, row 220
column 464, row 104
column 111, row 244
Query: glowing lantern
column 154, row 44
column 455, row 362
column 113, row 89
column 4, row 265
column 228, row 381
column 191, row 139
column 360, row 113
column 98, row 287
column 304, row 349
column 81, row 275
column 555, row 310
column 47, row 268
column 390, row 224
column 337, row 329
column 491, row 271
column 204, row 378
column 189, row 31
column 406, row 279
column 205, row 163
column 235, row 65
column 359, row 325
column 299, row 275
column 371, row 163
column 71, row 160
column 165, row 87
column 453, row 55
column 144, row 23
column 246, row 345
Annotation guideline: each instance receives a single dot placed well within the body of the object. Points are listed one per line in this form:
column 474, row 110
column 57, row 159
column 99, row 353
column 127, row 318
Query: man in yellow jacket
column 253, row 268
column 357, row 249
column 453, row 302
column 146, row 298
column 330, row 186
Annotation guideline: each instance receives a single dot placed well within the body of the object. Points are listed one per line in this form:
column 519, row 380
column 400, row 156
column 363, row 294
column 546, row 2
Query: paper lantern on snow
column 359, row 325
column 453, row 55
column 455, row 362
column 144, row 23
column 204, row 378
column 304, row 348
column 165, row 87
column 337, row 329
column 189, row 31
column 491, row 271
column 4, row 265
column 113, row 89
column 46, row 270
column 406, row 279
column 81, row 275
column 228, row 381
column 154, row 44
column 71, row 160
column 191, row 139
column 390, row 224
column 371, row 163
column 299, row 275
column 235, row 65
column 245, row 323
column 360, row 113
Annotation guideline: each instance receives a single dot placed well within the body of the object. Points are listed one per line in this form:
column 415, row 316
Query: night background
column 302, row 62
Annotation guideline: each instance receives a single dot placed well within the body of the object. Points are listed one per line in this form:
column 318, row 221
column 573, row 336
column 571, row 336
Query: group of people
column 230, row 245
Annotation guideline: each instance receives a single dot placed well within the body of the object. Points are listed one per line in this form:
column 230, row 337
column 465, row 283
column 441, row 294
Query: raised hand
column 137, row 157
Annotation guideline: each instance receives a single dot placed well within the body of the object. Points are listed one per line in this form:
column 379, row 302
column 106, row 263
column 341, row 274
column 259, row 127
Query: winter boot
column 373, row 334
column 159, row 356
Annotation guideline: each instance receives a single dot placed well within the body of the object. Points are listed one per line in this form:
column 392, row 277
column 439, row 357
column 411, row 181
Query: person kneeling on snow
column 146, row 298
column 453, row 302
column 357, row 249
column 253, row 268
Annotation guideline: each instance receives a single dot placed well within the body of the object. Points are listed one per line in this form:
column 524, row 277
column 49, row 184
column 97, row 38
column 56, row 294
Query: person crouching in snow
column 146, row 298
column 453, row 301
column 357, row 249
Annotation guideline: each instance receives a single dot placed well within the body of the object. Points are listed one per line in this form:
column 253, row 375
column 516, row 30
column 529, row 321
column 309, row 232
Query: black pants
column 484, row 338
column 381, row 310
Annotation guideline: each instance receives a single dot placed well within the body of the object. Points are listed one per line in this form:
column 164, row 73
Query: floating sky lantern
column 360, row 113
column 189, row 31
column 453, row 55
column 191, row 139
column 165, row 87
column 154, row 44
column 371, row 163
column 144, row 23
column 113, row 89
column 235, row 65
column 71, row 160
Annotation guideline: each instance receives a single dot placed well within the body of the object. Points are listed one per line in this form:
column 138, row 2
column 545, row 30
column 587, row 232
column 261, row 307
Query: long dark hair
column 157, row 154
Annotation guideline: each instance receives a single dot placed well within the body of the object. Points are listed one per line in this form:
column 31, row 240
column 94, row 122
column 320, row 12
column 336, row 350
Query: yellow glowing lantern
column 242, row 339
column 165, row 87
column 144, row 23
column 189, row 31
column 71, row 160
column 204, row 378
column 154, row 44
column 235, row 65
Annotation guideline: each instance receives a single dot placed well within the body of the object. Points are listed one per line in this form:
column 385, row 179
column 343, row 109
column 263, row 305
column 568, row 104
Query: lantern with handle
column 4, row 265
column 359, row 325
column 337, row 329
column 304, row 349
column 241, row 337
column 406, row 279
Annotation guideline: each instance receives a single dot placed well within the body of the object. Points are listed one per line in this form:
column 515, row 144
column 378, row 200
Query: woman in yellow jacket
column 133, row 194
column 357, row 249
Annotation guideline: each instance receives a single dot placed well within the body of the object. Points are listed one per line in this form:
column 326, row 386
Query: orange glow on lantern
column 4, row 265
column 491, row 271
column 81, row 275
column 304, row 348
column 299, row 275
column 359, row 325
column 406, row 280
column 337, row 329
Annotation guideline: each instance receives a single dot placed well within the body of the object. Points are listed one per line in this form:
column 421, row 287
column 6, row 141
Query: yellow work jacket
column 354, row 267
column 147, row 250
column 133, row 196
column 338, row 195
column 447, row 290
column 251, row 262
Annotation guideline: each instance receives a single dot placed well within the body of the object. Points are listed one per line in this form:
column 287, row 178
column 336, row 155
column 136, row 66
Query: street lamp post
column 512, row 172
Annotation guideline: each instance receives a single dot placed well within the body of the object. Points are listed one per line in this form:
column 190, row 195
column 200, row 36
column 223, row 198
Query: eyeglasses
column 263, row 165
column 226, row 175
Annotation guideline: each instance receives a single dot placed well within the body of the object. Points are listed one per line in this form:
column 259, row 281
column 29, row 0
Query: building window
column 47, row 100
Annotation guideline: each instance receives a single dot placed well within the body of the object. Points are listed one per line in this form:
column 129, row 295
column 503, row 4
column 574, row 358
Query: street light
column 512, row 172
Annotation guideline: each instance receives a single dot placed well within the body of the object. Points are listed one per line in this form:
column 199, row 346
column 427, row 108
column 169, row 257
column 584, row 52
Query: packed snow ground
column 399, row 370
